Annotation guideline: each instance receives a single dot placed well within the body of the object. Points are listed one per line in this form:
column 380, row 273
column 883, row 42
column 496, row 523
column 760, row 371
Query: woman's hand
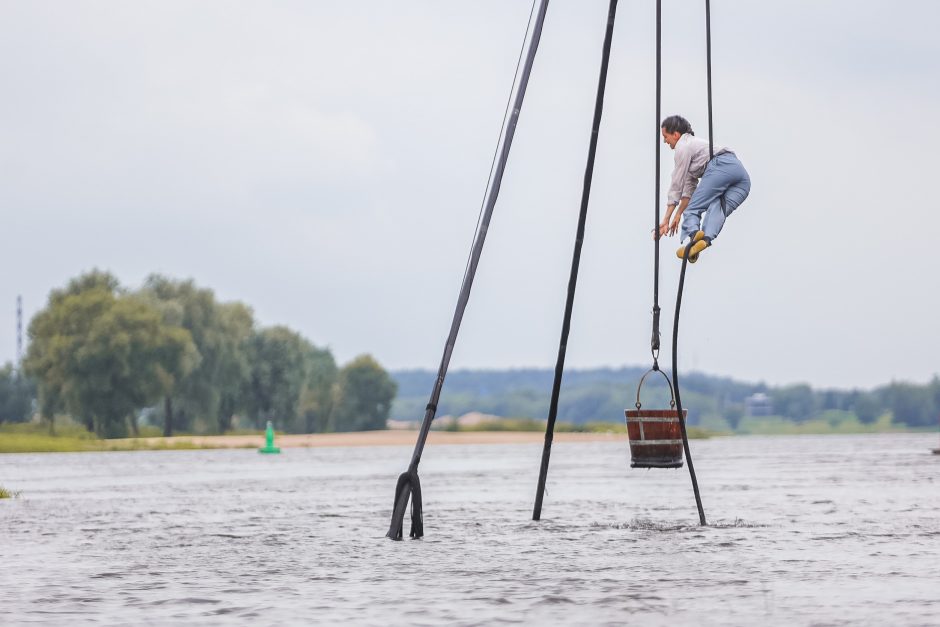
column 663, row 228
column 670, row 224
column 674, row 226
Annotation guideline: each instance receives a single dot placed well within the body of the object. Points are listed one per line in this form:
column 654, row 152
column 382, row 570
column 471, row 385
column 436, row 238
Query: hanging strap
column 685, row 261
column 654, row 342
column 708, row 71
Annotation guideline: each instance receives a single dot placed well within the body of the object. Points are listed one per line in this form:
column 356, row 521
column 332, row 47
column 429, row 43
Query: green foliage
column 212, row 388
column 830, row 422
column 279, row 362
column 44, row 443
column 733, row 414
column 102, row 357
column 589, row 427
column 586, row 396
column 67, row 429
column 505, row 424
column 102, row 354
column 17, row 393
column 53, row 336
column 717, row 404
column 912, row 405
column 363, row 397
column 867, row 408
column 316, row 400
column 234, row 371
column 796, row 402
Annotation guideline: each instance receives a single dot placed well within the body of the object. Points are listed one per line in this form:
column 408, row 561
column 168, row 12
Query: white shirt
column 691, row 159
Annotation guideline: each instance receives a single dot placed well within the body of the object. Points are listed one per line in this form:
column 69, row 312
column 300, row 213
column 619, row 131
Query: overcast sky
column 324, row 162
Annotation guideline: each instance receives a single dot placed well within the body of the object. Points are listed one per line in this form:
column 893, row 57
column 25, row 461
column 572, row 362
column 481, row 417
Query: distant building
column 758, row 404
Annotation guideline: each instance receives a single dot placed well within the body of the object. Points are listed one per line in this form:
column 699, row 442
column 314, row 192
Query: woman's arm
column 674, row 226
column 680, row 171
column 670, row 224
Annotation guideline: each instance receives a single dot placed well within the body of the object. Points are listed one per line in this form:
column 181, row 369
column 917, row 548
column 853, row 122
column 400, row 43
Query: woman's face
column 671, row 138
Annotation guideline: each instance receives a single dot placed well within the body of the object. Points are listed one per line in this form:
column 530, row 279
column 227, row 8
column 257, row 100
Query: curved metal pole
column 401, row 498
column 675, row 382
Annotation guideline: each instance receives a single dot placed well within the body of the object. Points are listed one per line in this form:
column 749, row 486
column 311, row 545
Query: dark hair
column 677, row 123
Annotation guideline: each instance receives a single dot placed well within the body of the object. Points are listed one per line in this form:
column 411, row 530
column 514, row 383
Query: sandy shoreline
column 382, row 438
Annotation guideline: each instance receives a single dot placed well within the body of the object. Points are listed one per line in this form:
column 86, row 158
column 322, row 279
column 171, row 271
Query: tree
column 867, row 408
column 363, row 397
column 51, row 341
column 233, row 375
column 316, row 400
column 733, row 413
column 128, row 361
column 279, row 360
column 220, row 333
column 934, row 392
column 17, row 394
column 796, row 402
column 103, row 354
column 910, row 404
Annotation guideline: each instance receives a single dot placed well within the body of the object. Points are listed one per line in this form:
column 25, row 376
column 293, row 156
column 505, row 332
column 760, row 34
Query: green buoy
column 269, row 441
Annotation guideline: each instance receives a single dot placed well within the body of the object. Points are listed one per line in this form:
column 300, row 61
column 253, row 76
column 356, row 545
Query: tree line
column 172, row 354
column 601, row 394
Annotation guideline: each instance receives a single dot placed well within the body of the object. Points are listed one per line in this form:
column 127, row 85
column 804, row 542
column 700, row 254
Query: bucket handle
column 672, row 401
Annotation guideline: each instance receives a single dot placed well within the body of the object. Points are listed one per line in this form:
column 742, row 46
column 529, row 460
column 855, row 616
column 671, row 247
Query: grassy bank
column 529, row 424
column 832, row 422
column 34, row 438
column 69, row 437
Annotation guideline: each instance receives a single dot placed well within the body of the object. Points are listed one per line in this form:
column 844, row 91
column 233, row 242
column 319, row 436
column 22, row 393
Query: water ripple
column 846, row 536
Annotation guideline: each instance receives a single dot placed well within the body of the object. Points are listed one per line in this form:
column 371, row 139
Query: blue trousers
column 725, row 182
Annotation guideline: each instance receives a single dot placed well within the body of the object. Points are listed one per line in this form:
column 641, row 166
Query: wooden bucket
column 655, row 434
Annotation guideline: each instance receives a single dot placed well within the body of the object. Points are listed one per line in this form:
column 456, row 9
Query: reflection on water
column 805, row 530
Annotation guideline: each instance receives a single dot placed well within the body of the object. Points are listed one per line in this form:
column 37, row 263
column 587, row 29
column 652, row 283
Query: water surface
column 826, row 530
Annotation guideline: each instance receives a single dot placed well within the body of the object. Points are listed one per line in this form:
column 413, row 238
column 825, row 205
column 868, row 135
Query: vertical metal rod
column 654, row 344
column 575, row 262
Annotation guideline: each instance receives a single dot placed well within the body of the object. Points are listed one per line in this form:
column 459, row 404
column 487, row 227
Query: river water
column 828, row 530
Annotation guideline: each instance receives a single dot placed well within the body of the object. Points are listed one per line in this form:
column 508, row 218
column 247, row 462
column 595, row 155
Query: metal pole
column 675, row 383
column 575, row 262
column 490, row 202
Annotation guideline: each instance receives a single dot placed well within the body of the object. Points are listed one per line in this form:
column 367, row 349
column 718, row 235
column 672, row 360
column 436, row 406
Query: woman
column 723, row 187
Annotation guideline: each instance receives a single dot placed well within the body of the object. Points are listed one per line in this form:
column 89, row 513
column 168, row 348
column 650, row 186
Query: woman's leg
column 728, row 187
column 709, row 190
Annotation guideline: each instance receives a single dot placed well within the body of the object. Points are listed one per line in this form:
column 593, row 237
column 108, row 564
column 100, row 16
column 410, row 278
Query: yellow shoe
column 700, row 244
